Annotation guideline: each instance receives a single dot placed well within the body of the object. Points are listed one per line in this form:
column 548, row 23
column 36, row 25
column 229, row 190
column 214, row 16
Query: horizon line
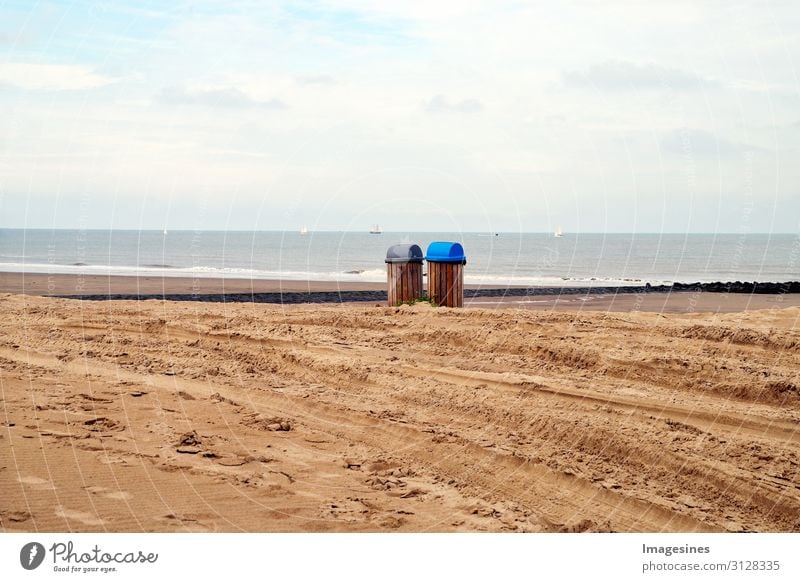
column 311, row 232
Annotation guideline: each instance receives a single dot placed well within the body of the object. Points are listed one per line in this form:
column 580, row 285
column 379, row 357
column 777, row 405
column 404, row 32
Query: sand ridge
column 159, row 416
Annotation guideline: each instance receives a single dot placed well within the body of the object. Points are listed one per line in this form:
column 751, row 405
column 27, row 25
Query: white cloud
column 441, row 104
column 317, row 80
column 231, row 97
column 47, row 77
column 687, row 141
column 622, row 75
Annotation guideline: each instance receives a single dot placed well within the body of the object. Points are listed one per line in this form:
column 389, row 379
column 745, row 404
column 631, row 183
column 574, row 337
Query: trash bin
column 404, row 273
column 446, row 262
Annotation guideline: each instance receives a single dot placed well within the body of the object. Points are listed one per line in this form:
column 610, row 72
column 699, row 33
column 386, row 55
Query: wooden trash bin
column 446, row 262
column 404, row 273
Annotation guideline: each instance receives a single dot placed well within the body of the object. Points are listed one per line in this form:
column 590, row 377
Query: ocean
column 492, row 258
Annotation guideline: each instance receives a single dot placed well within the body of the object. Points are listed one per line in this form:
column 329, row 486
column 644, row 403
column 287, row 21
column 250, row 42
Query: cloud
column 624, row 75
column 687, row 142
column 45, row 77
column 316, row 80
column 440, row 104
column 227, row 97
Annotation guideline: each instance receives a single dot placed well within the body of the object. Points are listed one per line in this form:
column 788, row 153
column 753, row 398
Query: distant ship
column 558, row 233
column 376, row 229
column 304, row 230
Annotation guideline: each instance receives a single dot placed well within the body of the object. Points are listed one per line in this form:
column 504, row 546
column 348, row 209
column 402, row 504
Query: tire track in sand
column 551, row 495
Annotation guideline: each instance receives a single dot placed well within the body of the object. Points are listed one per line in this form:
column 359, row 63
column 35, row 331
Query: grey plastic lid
column 406, row 253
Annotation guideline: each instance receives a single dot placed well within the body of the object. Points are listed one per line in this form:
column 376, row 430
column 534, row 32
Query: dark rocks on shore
column 740, row 287
column 354, row 296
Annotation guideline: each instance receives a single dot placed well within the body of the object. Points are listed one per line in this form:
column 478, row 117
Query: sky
column 614, row 116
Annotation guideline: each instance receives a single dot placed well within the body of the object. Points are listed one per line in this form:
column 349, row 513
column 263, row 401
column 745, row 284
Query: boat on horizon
column 304, row 230
column 375, row 229
column 558, row 233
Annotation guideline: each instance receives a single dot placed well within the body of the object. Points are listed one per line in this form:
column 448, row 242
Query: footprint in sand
column 14, row 516
column 109, row 493
column 81, row 516
column 36, row 483
column 109, row 459
column 188, row 522
column 118, row 495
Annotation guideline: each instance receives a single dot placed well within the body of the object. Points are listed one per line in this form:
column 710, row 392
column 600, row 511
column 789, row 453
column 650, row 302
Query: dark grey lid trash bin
column 403, row 273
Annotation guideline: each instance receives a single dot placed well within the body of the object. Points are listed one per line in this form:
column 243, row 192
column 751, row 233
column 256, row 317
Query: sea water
column 492, row 258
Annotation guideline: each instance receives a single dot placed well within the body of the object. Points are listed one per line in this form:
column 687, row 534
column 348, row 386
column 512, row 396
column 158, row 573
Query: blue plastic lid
column 446, row 252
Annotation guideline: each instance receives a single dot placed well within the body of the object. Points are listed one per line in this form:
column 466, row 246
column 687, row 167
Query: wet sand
column 191, row 416
column 276, row 291
column 44, row 284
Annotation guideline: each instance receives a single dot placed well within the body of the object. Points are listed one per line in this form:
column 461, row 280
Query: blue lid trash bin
column 446, row 262
column 446, row 252
column 403, row 273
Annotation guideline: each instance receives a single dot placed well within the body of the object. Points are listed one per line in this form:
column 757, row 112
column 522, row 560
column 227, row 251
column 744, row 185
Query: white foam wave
column 363, row 276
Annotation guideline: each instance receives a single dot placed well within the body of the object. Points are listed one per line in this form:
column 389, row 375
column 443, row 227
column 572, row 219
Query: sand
column 167, row 416
column 676, row 302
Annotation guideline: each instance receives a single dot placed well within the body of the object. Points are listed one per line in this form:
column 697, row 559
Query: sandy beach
column 191, row 416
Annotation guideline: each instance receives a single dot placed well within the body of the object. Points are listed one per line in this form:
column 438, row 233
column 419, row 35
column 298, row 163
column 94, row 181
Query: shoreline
column 677, row 298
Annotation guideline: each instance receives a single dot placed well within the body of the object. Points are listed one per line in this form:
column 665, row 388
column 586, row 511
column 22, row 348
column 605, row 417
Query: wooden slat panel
column 454, row 285
column 460, row 286
column 446, row 291
column 450, row 297
column 433, row 282
column 398, row 292
column 456, row 272
column 418, row 280
column 390, row 283
column 433, row 272
column 399, row 283
column 395, row 279
column 437, row 272
column 395, row 293
column 442, row 284
column 457, row 287
column 456, row 277
column 446, row 270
